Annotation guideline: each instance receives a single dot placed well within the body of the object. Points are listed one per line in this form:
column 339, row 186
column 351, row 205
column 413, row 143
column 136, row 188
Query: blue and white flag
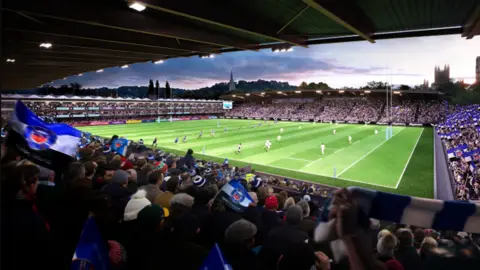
column 215, row 260
column 426, row 213
column 234, row 195
column 92, row 249
column 49, row 145
column 120, row 146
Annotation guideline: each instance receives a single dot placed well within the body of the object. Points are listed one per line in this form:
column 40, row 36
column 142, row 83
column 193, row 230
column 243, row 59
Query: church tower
column 231, row 84
column 442, row 75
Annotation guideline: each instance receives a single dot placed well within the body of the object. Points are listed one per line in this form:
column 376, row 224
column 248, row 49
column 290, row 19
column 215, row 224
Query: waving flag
column 215, row 260
column 234, row 195
column 120, row 146
column 92, row 250
column 49, row 145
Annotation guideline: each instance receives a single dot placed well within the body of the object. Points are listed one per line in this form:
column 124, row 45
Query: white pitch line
column 364, row 156
column 408, row 161
column 301, row 159
column 312, row 162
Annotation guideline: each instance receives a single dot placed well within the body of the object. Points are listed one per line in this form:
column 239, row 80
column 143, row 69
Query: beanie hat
column 208, row 171
column 307, row 198
column 256, row 182
column 271, row 202
column 150, row 157
column 199, row 181
column 120, row 177
column 192, row 172
column 151, row 215
column 106, row 149
column 117, row 254
column 135, row 205
column 240, row 231
column 127, row 165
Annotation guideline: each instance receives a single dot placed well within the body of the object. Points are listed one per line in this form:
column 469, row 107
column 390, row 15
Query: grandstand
column 143, row 187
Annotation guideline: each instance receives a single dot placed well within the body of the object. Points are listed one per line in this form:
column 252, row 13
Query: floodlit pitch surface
column 403, row 164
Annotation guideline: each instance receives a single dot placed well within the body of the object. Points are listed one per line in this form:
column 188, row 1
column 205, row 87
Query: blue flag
column 92, row 250
column 120, row 146
column 234, row 195
column 215, row 260
column 49, row 145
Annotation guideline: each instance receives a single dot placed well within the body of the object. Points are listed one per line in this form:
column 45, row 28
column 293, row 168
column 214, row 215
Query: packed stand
column 431, row 112
column 401, row 112
column 461, row 138
column 155, row 210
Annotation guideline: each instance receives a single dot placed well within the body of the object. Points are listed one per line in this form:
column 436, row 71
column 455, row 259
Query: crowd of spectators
column 401, row 112
column 68, row 109
column 343, row 109
column 431, row 112
column 461, row 139
column 156, row 210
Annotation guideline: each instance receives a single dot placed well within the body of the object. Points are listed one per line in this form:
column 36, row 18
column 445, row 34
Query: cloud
column 402, row 61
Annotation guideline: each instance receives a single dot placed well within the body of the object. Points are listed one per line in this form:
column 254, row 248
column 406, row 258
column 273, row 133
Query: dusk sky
column 399, row 61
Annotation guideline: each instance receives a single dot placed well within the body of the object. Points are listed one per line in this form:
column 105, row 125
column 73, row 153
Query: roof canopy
column 98, row 98
column 87, row 35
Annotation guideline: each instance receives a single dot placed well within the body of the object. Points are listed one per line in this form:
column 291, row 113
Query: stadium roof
column 89, row 35
column 308, row 93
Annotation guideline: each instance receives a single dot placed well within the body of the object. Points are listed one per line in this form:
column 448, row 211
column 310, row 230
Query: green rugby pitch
column 403, row 164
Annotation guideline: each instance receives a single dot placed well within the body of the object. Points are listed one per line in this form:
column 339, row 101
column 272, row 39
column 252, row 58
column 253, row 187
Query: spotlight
column 124, row 66
column 247, row 95
column 158, row 62
column 137, row 6
column 211, row 56
column 290, row 50
column 100, row 70
column 46, row 45
column 10, row 60
column 298, row 92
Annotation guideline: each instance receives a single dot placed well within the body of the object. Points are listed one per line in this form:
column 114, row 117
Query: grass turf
column 403, row 164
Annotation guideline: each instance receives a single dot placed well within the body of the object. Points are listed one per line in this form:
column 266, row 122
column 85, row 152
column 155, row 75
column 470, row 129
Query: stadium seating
column 344, row 109
column 151, row 209
column 460, row 135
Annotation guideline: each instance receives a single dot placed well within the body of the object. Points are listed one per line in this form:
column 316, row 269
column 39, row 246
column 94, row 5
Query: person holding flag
column 49, row 145
column 120, row 146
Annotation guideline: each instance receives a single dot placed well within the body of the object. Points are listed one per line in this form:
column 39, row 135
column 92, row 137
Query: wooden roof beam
column 346, row 13
column 471, row 27
column 222, row 14
column 110, row 17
